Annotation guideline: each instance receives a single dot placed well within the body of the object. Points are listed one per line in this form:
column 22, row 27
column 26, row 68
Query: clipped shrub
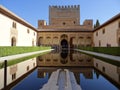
column 8, row 50
column 105, row 50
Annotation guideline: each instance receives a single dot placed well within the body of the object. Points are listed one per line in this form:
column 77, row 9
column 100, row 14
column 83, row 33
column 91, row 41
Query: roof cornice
column 108, row 22
column 13, row 16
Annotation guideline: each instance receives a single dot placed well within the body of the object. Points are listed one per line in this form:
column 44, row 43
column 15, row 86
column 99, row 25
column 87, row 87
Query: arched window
column 13, row 41
column 64, row 23
column 28, row 31
column 14, row 25
column 74, row 22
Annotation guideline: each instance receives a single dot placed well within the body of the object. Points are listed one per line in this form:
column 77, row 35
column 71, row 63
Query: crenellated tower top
column 64, row 15
column 65, row 7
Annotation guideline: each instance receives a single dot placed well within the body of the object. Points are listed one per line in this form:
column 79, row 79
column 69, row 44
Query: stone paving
column 22, row 55
column 116, row 58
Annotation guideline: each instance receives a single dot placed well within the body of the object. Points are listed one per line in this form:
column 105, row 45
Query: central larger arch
column 64, row 44
column 64, row 41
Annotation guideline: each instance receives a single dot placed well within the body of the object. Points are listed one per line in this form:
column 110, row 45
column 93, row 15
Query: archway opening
column 40, row 41
column 64, row 44
column 13, row 41
column 119, row 42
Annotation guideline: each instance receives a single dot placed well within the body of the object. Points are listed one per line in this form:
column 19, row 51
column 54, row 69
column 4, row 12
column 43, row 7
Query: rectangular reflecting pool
column 90, row 73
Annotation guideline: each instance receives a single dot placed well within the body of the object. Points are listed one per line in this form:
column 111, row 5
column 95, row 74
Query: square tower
column 64, row 15
column 41, row 23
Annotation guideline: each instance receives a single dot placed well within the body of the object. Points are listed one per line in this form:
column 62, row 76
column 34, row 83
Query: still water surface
column 90, row 73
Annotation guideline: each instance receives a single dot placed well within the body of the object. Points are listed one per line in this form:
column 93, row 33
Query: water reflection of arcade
column 65, row 58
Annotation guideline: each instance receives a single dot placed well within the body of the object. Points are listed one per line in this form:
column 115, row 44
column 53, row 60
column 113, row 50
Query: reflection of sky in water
column 97, row 83
column 32, row 82
column 88, row 78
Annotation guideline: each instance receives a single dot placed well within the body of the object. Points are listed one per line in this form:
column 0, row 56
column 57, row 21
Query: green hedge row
column 105, row 50
column 8, row 50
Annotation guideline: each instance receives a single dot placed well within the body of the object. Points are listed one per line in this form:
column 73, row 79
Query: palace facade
column 108, row 34
column 63, row 31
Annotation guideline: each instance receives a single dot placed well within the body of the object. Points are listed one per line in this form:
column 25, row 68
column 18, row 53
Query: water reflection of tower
column 43, row 72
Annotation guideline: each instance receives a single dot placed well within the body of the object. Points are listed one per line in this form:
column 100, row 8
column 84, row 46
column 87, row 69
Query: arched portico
column 59, row 40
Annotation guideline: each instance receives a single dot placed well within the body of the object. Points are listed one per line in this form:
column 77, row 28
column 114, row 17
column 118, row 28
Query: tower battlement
column 64, row 15
column 66, row 7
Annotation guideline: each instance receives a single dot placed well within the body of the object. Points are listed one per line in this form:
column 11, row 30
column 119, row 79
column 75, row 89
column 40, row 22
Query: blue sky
column 33, row 10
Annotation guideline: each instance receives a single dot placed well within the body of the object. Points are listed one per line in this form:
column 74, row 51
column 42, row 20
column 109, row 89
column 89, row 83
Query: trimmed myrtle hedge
column 8, row 50
column 105, row 50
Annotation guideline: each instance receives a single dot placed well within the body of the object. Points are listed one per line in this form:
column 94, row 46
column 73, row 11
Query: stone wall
column 64, row 15
column 14, row 31
column 107, row 36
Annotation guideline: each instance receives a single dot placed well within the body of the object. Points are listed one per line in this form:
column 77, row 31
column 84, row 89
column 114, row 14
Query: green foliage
column 97, row 24
column 8, row 50
column 105, row 50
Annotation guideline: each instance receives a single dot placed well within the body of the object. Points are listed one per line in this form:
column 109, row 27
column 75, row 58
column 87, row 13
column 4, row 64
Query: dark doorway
column 64, row 44
column 119, row 42
column 13, row 41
